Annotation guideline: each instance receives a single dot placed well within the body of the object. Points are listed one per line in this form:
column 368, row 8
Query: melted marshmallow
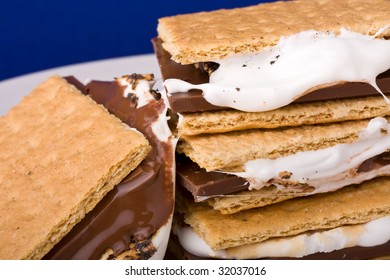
column 277, row 76
column 160, row 127
column 325, row 169
column 371, row 234
column 142, row 90
column 160, row 240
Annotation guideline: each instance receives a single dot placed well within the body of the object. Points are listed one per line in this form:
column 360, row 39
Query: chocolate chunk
column 202, row 183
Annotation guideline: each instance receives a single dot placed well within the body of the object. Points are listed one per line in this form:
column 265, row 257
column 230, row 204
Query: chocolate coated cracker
column 56, row 164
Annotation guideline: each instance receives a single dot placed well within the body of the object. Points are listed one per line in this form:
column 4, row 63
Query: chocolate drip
column 142, row 203
column 80, row 86
column 193, row 101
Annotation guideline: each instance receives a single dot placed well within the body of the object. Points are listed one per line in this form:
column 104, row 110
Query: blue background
column 36, row 35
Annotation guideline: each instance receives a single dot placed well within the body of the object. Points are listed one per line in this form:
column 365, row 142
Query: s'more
column 61, row 153
column 80, row 178
column 133, row 221
column 282, row 114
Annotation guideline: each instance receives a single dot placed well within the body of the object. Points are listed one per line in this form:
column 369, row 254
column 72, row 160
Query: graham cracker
column 244, row 200
column 295, row 114
column 60, row 154
column 208, row 36
column 226, row 151
column 351, row 205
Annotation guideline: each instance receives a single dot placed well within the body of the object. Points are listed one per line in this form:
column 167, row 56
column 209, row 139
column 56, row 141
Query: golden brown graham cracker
column 61, row 153
column 351, row 205
column 225, row 151
column 293, row 115
column 213, row 35
column 244, row 200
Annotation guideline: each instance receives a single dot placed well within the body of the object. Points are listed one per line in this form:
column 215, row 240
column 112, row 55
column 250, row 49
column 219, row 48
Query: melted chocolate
column 80, row 86
column 142, row 203
column 375, row 162
column 193, row 101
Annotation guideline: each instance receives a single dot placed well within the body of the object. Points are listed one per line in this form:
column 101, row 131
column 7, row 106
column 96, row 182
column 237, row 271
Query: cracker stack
column 56, row 163
column 218, row 143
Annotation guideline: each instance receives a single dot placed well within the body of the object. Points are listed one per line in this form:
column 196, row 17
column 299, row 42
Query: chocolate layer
column 193, row 101
column 202, row 183
column 208, row 184
column 140, row 204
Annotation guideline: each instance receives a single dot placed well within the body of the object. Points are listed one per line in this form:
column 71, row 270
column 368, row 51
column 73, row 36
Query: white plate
column 12, row 90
